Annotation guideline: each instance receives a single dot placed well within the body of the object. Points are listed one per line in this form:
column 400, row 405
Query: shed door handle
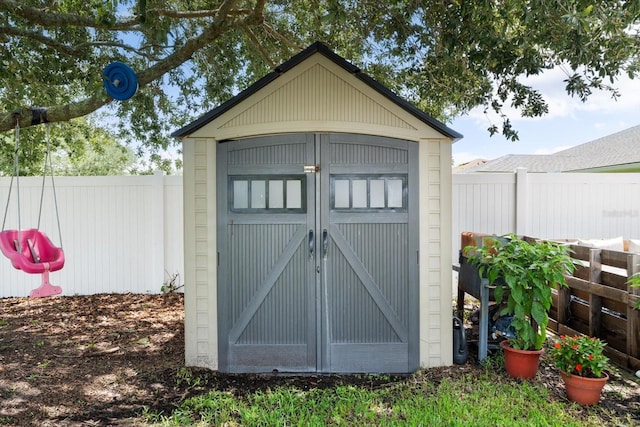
column 311, row 244
column 325, row 242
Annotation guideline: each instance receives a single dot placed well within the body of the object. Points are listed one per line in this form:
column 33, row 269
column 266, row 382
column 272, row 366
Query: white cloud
column 561, row 104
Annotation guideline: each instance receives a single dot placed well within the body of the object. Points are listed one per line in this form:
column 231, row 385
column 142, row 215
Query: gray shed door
column 317, row 241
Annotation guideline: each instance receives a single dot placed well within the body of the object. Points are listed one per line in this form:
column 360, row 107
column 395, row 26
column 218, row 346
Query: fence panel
column 599, row 302
column 546, row 205
column 119, row 234
column 482, row 202
column 125, row 234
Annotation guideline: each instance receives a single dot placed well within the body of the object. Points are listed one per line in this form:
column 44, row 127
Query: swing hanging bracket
column 38, row 115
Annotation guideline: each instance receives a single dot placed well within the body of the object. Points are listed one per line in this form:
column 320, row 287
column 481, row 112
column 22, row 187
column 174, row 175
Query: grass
column 470, row 400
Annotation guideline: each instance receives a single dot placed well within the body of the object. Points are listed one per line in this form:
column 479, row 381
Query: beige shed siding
column 200, row 269
column 317, row 96
column 435, row 266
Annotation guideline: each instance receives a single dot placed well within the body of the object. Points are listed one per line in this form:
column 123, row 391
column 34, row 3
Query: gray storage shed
column 317, row 226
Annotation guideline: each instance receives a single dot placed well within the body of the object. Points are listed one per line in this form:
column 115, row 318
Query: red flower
column 575, row 346
column 591, row 357
column 557, row 345
column 578, row 367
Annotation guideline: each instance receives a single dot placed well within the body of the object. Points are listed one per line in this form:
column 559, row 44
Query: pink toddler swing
column 30, row 250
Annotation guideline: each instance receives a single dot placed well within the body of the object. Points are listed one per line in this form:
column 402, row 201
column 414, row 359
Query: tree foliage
column 190, row 55
column 92, row 151
column 78, row 147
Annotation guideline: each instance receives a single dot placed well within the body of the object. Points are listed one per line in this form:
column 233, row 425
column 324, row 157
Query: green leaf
column 517, row 294
column 539, row 314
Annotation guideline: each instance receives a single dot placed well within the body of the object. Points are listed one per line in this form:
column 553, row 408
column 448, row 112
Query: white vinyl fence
column 547, row 205
column 125, row 234
column 119, row 234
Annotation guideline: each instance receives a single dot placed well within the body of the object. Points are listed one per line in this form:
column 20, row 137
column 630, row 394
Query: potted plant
column 582, row 363
column 524, row 273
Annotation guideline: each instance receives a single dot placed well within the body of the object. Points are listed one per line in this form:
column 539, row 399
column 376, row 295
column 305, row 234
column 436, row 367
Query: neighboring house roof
column 619, row 152
column 316, row 47
column 470, row 164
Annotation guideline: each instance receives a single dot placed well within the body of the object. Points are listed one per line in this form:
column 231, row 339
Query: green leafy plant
column 524, row 272
column 580, row 355
column 172, row 284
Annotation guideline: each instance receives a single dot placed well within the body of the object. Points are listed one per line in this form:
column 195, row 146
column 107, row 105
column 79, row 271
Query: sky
column 569, row 121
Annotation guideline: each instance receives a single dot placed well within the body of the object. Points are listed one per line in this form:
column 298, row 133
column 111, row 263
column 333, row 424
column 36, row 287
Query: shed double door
column 317, row 254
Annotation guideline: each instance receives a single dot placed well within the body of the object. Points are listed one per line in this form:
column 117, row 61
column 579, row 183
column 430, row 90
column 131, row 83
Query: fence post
column 633, row 315
column 157, row 216
column 595, row 301
column 522, row 202
column 564, row 299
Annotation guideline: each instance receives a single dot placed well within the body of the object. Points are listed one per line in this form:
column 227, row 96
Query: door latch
column 311, row 168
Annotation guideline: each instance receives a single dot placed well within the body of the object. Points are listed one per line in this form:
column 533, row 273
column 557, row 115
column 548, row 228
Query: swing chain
column 53, row 185
column 15, row 174
column 39, row 114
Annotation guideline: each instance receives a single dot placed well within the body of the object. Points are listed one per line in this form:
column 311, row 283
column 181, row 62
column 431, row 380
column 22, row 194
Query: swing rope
column 48, row 159
column 16, row 167
column 16, row 175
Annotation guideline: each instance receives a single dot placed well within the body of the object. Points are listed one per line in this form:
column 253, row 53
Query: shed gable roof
column 274, row 110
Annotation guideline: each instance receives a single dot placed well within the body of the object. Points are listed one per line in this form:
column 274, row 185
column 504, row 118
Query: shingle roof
column 617, row 152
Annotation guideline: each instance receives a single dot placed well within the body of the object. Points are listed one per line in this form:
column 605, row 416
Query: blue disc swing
column 30, row 250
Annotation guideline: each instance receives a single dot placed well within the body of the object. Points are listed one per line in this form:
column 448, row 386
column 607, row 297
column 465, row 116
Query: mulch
column 101, row 359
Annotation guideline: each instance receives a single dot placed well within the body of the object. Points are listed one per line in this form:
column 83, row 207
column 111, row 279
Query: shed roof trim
column 316, row 47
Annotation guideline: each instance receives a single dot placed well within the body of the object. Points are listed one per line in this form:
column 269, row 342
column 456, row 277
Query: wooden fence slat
column 598, row 289
column 564, row 299
column 633, row 315
column 595, row 301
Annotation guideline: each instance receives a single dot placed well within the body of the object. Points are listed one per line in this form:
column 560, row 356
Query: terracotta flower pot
column 520, row 363
column 583, row 390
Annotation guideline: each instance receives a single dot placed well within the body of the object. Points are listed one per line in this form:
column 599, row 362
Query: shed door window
column 267, row 194
column 369, row 193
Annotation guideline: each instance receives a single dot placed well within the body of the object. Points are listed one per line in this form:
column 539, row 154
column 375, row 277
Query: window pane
column 377, row 193
column 341, row 193
column 258, row 194
column 241, row 194
column 359, row 193
column 394, row 187
column 294, row 194
column 276, row 194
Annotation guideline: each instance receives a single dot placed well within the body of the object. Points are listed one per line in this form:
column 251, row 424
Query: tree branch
column 172, row 13
column 219, row 26
column 287, row 42
column 38, row 37
column 73, row 51
column 48, row 19
column 254, row 40
column 57, row 113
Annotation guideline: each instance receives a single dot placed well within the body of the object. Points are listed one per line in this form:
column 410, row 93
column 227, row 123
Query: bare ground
column 100, row 360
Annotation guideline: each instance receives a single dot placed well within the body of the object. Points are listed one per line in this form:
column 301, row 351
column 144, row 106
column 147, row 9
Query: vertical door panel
column 266, row 277
column 370, row 286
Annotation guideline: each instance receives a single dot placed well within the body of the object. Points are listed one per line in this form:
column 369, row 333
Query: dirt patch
column 101, row 359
